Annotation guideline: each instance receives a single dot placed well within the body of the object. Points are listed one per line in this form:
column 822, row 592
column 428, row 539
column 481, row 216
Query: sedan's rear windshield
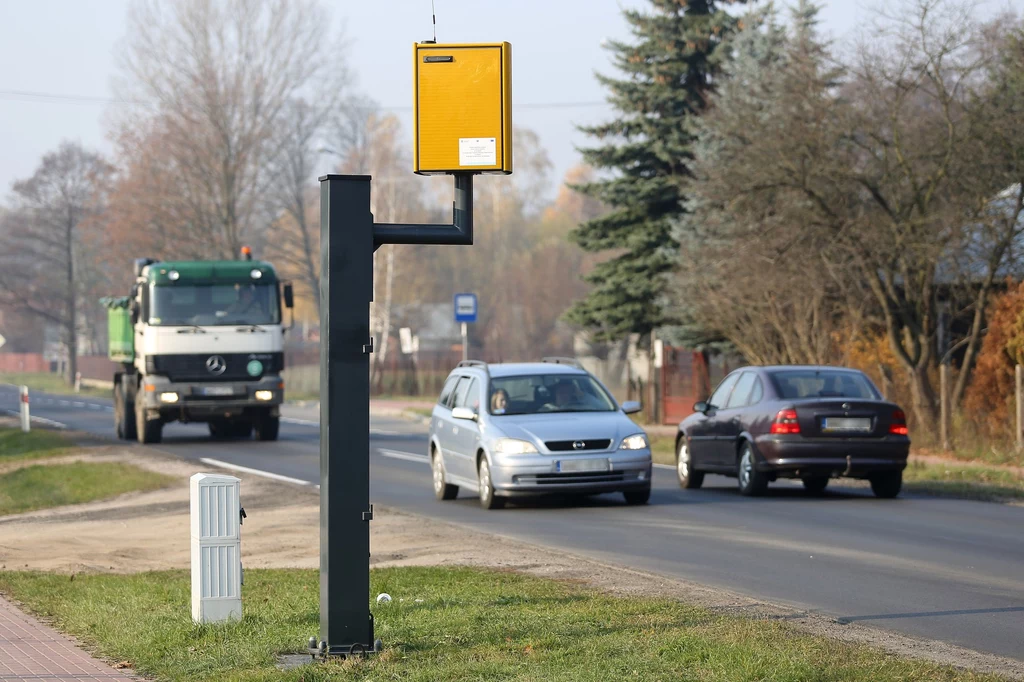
column 793, row 384
column 542, row 393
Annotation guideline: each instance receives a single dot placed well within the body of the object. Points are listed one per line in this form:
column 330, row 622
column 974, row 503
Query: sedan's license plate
column 581, row 465
column 218, row 390
column 846, row 424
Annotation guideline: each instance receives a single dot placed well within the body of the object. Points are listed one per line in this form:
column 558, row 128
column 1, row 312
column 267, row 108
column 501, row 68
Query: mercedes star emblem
column 216, row 365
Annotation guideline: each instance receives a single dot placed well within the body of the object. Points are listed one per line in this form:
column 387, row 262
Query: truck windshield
column 213, row 304
column 540, row 393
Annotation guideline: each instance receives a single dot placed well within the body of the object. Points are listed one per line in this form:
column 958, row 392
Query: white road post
column 26, row 419
column 465, row 342
column 216, row 548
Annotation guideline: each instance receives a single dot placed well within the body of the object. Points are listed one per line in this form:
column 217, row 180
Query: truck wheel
column 147, row 431
column 267, row 428
column 128, row 412
column 119, row 411
column 124, row 414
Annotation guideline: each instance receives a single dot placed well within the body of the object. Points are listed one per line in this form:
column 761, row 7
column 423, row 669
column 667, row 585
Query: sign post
column 465, row 312
column 446, row 78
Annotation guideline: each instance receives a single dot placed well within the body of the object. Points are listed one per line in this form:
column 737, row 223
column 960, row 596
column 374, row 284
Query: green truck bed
column 120, row 332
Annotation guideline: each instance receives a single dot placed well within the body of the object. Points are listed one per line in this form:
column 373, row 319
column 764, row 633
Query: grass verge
column 40, row 486
column 973, row 482
column 38, row 443
column 49, row 383
column 470, row 625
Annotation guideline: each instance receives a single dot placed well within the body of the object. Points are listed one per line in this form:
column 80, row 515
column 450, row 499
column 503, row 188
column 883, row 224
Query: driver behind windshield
column 568, row 395
column 246, row 302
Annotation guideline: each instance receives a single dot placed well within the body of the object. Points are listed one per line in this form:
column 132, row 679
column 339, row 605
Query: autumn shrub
column 990, row 395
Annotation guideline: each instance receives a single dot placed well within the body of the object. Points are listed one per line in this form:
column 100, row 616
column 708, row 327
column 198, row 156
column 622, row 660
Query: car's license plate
column 218, row 390
column 581, row 465
column 846, row 424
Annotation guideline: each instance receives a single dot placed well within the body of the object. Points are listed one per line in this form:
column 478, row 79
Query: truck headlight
column 169, row 397
column 635, row 442
column 264, row 395
column 513, row 446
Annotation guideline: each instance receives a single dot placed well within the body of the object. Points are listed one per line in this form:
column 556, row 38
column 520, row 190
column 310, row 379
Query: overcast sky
column 68, row 48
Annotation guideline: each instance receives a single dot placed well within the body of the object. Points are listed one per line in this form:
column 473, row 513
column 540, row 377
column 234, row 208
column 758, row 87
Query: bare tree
column 218, row 77
column 41, row 240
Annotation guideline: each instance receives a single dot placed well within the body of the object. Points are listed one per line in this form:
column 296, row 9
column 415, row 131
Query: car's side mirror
column 463, row 413
column 289, row 296
column 701, row 407
column 631, row 407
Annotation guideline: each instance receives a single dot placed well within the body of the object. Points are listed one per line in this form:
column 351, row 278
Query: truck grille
column 193, row 367
column 568, row 445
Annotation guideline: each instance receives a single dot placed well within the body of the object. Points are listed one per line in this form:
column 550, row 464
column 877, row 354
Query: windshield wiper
column 192, row 329
column 252, row 329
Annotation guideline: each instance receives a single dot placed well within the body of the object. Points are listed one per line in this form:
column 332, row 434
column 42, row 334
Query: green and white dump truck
column 199, row 341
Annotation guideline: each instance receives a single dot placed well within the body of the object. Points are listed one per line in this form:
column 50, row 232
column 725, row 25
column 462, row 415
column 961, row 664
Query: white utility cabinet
column 216, row 548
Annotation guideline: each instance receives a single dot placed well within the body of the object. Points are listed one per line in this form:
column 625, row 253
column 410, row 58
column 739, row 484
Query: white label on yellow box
column 477, row 151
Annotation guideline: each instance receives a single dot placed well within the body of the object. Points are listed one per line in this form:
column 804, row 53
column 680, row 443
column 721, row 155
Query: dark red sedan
column 807, row 422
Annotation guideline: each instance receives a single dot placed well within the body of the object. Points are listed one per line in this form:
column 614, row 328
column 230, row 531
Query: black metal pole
column 346, row 289
column 348, row 238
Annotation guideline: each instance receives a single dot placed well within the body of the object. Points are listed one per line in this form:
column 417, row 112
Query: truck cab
column 199, row 341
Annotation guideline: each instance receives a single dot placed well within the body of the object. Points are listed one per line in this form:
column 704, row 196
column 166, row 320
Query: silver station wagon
column 521, row 429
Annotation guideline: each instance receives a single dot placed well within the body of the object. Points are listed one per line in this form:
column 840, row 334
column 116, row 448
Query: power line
column 62, row 98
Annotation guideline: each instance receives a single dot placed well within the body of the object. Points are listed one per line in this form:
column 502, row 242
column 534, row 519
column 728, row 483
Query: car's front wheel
column 488, row 500
column 887, row 484
column 688, row 478
column 752, row 482
column 442, row 490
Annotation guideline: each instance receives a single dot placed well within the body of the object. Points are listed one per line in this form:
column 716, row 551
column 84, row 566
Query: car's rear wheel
column 887, row 484
column 637, row 496
column 751, row 481
column 442, row 490
column 688, row 478
column 488, row 500
column 815, row 484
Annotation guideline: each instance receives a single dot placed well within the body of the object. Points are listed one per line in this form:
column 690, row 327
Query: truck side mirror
column 289, row 296
column 135, row 314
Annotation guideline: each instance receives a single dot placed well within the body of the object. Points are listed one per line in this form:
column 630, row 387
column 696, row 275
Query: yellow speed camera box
column 462, row 108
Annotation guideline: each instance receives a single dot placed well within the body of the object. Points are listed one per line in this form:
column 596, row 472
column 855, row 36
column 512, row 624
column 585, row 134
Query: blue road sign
column 465, row 307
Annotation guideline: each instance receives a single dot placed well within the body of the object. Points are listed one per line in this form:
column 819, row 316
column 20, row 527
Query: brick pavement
column 30, row 650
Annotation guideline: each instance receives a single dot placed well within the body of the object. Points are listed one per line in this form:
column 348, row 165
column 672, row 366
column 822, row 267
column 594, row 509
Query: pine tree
column 667, row 71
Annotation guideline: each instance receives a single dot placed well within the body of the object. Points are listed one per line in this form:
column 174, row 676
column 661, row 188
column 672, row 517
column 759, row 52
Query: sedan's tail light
column 785, row 422
column 898, row 426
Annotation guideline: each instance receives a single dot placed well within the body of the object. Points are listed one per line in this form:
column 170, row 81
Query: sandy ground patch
column 150, row 531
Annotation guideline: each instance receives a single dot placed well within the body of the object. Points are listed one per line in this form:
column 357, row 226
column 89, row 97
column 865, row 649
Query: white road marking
column 407, row 456
column 63, row 403
column 665, row 466
column 77, row 404
column 256, row 472
column 302, row 422
column 41, row 420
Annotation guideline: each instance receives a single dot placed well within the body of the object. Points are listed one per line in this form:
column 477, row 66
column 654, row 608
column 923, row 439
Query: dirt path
column 150, row 531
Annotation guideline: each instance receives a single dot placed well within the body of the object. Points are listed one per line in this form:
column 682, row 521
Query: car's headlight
column 513, row 446
column 634, row 442
column 168, row 397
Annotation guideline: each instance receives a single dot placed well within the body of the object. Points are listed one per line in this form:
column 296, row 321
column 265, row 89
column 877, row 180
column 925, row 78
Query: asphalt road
column 950, row 570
